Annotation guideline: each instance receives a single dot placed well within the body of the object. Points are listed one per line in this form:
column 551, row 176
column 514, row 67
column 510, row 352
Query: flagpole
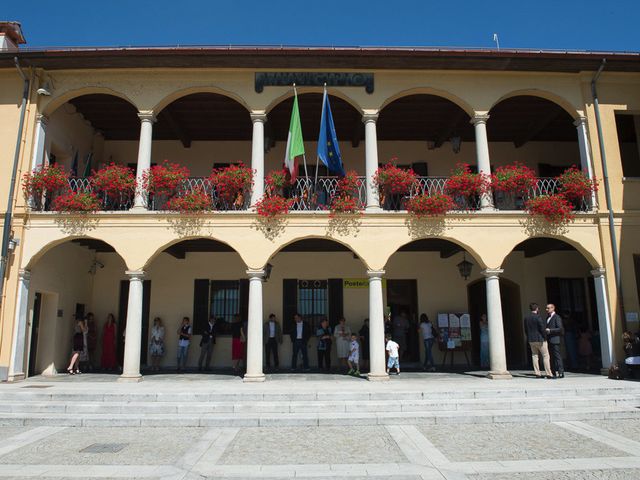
column 324, row 97
column 304, row 156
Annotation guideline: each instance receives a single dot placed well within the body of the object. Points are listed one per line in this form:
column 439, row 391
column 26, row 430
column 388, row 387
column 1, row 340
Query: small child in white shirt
column 354, row 356
column 394, row 355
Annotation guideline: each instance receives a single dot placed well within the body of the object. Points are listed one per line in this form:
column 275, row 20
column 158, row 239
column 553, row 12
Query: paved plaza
column 597, row 447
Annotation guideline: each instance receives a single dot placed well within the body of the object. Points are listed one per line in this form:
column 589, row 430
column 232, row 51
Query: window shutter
column 336, row 300
column 244, row 299
column 289, row 303
column 200, row 304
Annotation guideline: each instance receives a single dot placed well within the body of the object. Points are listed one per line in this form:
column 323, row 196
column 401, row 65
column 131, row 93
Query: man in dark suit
column 272, row 337
column 535, row 330
column 206, row 343
column 554, row 332
column 299, row 335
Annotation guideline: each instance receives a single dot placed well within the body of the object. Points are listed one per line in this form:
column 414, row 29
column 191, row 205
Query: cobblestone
column 616, row 474
column 629, row 428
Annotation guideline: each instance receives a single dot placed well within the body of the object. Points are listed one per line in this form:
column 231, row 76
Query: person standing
column 393, row 349
column 156, row 343
column 108, row 359
column 354, row 356
column 428, row 337
column 299, row 338
column 364, row 343
column 207, row 342
column 77, row 348
column 238, row 340
column 534, row 328
column 554, row 332
column 324, row 335
column 272, row 337
column 342, row 333
column 184, row 339
column 484, row 341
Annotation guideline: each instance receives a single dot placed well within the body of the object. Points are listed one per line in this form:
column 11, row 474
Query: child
column 354, row 356
column 394, row 355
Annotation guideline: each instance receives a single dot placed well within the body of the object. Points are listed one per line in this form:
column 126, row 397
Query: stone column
column 19, row 339
column 371, row 159
column 257, row 155
column 144, row 156
column 497, row 353
column 604, row 318
column 482, row 154
column 585, row 151
column 39, row 142
column 254, row 328
column 133, row 337
column 378, row 369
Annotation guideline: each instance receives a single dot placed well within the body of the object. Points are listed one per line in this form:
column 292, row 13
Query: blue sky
column 546, row 24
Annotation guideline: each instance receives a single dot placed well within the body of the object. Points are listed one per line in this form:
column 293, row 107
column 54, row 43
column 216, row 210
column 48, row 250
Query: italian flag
column 295, row 144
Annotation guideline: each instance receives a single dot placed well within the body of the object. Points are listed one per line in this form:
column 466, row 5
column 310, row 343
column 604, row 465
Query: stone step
column 316, row 419
column 313, row 406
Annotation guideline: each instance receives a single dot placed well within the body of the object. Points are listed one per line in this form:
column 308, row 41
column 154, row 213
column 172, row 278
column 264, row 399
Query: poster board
column 455, row 332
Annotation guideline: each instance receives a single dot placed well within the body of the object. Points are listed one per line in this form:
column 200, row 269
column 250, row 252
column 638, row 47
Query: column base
column 253, row 378
column 378, row 377
column 499, row 375
column 138, row 208
column 130, row 378
column 16, row 377
column 373, row 208
column 488, row 208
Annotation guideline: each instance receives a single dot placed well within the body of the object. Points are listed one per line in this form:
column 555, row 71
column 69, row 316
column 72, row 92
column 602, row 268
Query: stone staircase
column 38, row 404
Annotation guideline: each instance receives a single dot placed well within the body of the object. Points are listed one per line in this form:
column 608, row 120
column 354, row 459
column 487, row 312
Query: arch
column 176, row 95
column 586, row 254
column 464, row 105
column 176, row 241
column 535, row 92
column 36, row 257
column 319, row 237
column 57, row 102
column 303, row 90
column 471, row 251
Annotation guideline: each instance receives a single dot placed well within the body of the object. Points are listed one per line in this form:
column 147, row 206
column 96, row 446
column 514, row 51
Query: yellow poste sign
column 359, row 283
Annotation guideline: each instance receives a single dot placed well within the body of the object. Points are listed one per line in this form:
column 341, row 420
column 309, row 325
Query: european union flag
column 328, row 149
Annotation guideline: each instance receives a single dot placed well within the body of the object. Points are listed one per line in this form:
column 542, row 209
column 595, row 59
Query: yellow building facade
column 206, row 108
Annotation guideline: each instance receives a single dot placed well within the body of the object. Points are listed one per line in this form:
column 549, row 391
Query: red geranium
column 76, row 202
column 575, row 184
column 114, row 180
column 553, row 208
column 430, row 205
column 47, row 178
column 164, row 179
column 464, row 183
column 349, row 184
column 516, row 179
column 272, row 205
column 232, row 181
column 344, row 204
column 394, row 180
column 275, row 181
column 195, row 201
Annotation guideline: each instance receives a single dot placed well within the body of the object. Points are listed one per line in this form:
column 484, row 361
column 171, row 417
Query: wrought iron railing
column 241, row 202
column 309, row 194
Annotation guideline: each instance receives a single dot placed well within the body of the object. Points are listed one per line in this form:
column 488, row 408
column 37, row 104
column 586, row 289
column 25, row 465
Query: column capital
column 135, row 274
column 598, row 272
column 492, row 272
column 253, row 274
column 258, row 116
column 375, row 273
column 24, row 274
column 147, row 116
column 479, row 118
column 40, row 118
column 580, row 121
column 370, row 116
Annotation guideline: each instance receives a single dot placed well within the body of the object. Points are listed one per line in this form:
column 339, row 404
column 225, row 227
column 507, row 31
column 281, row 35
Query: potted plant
column 276, row 181
column 271, row 206
column 76, row 202
column 512, row 182
column 232, row 184
column 45, row 181
column 391, row 180
column 346, row 200
column 553, row 208
column 433, row 205
column 344, row 205
column 195, row 201
column 465, row 187
column 162, row 181
column 117, row 184
column 576, row 186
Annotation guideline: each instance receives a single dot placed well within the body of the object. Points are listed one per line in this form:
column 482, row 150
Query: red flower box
column 575, row 184
column 553, row 208
column 463, row 183
column 272, row 205
column 391, row 179
column 430, row 205
column 115, row 181
column 232, row 182
column 196, row 201
column 516, row 179
column 275, row 181
column 344, row 205
column 49, row 179
column 164, row 179
column 76, row 202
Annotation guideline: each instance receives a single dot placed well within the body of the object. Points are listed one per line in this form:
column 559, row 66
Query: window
column 225, row 303
column 313, row 301
column 628, row 127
